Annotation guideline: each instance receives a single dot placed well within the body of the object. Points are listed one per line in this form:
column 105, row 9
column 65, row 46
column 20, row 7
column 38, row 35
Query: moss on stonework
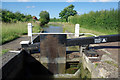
column 84, row 73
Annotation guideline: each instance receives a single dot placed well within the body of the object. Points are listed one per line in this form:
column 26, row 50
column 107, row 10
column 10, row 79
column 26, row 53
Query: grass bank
column 69, row 27
column 11, row 31
column 100, row 30
column 105, row 21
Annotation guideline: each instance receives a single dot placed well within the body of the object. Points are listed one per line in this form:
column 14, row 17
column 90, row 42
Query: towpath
column 15, row 44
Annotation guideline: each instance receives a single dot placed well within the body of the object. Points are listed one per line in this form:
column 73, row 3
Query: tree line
column 106, row 19
column 10, row 17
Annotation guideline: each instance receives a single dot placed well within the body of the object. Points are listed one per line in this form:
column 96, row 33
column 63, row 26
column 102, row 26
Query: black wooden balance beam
column 93, row 40
column 81, row 41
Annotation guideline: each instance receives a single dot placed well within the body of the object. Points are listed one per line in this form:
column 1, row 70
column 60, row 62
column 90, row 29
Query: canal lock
column 71, row 66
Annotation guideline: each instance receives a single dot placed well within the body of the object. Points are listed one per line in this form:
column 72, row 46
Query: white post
column 30, row 30
column 77, row 30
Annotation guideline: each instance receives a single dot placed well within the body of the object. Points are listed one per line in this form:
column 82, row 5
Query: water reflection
column 53, row 29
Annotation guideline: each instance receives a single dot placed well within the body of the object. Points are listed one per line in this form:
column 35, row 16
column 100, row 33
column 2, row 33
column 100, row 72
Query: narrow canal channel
column 53, row 29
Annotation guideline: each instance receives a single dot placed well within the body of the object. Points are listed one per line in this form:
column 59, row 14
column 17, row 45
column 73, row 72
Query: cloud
column 30, row 6
column 93, row 0
column 27, row 6
column 80, row 12
column 33, row 6
column 105, row 0
column 23, row 0
column 70, row 1
column 46, row 10
column 100, row 0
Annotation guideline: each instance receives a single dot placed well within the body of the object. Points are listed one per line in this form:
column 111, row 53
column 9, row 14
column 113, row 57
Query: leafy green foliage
column 66, row 12
column 105, row 19
column 10, row 17
column 44, row 18
column 0, row 14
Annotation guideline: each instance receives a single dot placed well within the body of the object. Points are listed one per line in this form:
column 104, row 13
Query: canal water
column 53, row 29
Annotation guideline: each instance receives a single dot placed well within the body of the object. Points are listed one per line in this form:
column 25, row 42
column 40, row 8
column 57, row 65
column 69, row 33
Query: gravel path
column 15, row 44
column 12, row 46
column 6, row 57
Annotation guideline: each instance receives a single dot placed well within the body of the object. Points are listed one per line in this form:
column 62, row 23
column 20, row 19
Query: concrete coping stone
column 75, row 75
column 24, row 42
column 56, row 60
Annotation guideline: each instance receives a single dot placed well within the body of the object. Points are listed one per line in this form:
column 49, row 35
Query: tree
column 68, row 11
column 10, row 17
column 0, row 15
column 44, row 18
column 18, row 16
